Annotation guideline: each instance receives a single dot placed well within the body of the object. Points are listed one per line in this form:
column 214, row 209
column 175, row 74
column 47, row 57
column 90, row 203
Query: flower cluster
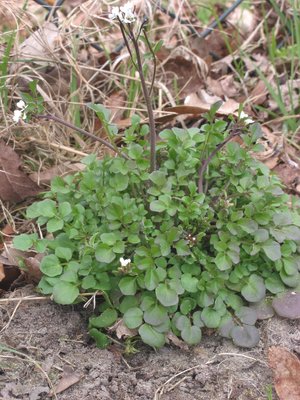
column 246, row 119
column 20, row 112
column 124, row 14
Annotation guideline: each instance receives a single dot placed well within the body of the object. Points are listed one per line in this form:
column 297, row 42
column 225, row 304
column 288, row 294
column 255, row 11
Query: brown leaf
column 205, row 101
column 259, row 93
column 286, row 368
column 121, row 330
column 15, row 185
column 2, row 273
column 176, row 341
column 33, row 272
column 68, row 379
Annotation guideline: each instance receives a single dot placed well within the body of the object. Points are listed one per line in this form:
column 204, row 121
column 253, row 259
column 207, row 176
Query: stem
column 148, row 103
column 86, row 133
column 207, row 160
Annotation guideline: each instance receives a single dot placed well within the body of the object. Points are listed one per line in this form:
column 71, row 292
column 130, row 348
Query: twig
column 207, row 160
column 86, row 133
column 148, row 103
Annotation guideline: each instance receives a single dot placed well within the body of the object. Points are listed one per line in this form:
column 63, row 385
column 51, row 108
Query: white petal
column 21, row 104
column 17, row 115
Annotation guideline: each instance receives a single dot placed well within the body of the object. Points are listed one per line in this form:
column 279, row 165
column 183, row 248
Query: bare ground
column 54, row 337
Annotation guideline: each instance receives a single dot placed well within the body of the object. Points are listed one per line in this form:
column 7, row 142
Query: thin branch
column 154, row 61
column 82, row 131
column 207, row 160
column 148, row 104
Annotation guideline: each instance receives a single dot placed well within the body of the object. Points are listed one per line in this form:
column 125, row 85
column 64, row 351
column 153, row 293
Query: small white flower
column 245, row 118
column 124, row 13
column 124, row 262
column 17, row 115
column 21, row 104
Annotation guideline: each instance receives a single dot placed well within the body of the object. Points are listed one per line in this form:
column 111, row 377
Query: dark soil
column 54, row 337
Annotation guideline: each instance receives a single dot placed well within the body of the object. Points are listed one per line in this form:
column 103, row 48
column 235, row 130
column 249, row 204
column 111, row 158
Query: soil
column 51, row 337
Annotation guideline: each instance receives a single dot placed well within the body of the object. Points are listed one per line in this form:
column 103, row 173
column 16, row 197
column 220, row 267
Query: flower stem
column 148, row 104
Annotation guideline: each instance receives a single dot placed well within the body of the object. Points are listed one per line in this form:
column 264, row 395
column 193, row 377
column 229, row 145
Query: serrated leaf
column 157, row 206
column 65, row 292
column 151, row 337
column 158, row 177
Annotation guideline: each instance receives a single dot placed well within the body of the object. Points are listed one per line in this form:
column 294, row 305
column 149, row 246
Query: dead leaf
column 121, row 330
column 286, row 368
column 205, row 101
column 259, row 93
column 40, row 43
column 15, row 185
column 68, row 379
column 2, row 273
column 176, row 341
column 33, row 272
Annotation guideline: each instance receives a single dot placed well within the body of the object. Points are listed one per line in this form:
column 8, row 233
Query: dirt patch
column 54, row 336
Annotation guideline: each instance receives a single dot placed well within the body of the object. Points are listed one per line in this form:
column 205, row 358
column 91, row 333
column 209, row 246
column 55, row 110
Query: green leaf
column 166, row 296
column 155, row 315
column 247, row 315
column 106, row 319
column 47, row 208
column 133, row 318
column 119, row 182
column 272, row 249
column 64, row 253
column 64, row 209
column 104, row 253
column 255, row 289
column 245, row 336
column 248, row 225
column 109, row 238
column 157, row 206
column 50, row 266
column 182, row 248
column 191, row 335
column 282, row 218
column 127, row 303
column 158, row 177
column 151, row 279
column 211, row 317
column 100, row 338
column 274, row 284
column 151, row 337
column 128, row 285
column 223, row 262
column 54, row 225
column 24, row 241
column 88, row 282
column 189, row 283
column 135, row 151
column 65, row 293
